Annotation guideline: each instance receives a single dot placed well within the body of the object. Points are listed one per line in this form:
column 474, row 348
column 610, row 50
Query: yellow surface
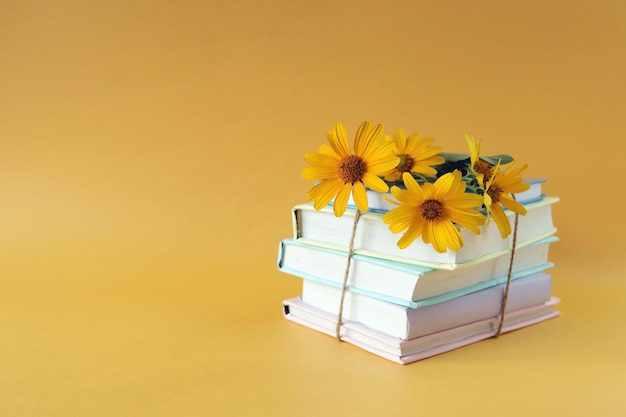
column 150, row 153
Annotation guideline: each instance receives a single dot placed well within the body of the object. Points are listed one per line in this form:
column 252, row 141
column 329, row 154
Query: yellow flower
column 416, row 155
column 482, row 170
column 432, row 210
column 498, row 193
column 342, row 171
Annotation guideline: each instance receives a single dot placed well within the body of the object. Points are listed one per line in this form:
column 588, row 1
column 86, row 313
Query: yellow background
column 150, row 153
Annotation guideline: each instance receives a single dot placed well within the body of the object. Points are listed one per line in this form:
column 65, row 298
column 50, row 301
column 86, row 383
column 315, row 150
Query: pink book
column 407, row 351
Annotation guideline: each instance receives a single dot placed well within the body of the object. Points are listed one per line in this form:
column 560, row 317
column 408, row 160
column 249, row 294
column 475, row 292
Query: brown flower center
column 351, row 168
column 484, row 168
column 494, row 193
column 406, row 163
column 432, row 210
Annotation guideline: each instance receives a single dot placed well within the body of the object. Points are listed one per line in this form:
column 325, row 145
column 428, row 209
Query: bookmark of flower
column 341, row 171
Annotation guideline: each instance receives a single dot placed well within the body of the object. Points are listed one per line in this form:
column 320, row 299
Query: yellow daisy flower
column 498, row 193
column 416, row 155
column 482, row 170
column 432, row 210
column 342, row 171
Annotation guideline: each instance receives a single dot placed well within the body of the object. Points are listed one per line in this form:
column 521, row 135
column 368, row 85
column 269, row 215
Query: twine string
column 346, row 274
column 505, row 296
column 344, row 286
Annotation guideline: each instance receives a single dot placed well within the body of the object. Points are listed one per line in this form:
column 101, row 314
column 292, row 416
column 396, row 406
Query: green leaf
column 454, row 157
column 493, row 160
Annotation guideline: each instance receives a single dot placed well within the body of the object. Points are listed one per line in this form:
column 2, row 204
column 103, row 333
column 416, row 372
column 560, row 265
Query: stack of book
column 406, row 305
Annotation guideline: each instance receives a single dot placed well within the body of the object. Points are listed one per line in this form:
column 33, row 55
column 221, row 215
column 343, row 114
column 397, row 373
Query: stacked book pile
column 406, row 305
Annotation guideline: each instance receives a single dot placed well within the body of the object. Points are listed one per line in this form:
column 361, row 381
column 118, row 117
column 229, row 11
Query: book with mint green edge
column 373, row 237
column 407, row 323
column 441, row 285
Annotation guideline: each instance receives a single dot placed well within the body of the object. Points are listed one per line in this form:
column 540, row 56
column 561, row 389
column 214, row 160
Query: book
column 373, row 237
column 408, row 284
column 378, row 201
column 407, row 323
column 408, row 351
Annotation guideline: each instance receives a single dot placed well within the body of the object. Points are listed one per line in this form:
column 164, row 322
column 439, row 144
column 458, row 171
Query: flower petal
column 382, row 166
column 323, row 192
column 400, row 218
column 319, row 173
column 360, row 196
column 327, row 150
column 371, row 144
column 393, row 176
column 474, row 149
column 447, row 236
column 501, row 219
column 516, row 188
column 428, row 191
column 322, row 158
column 341, row 201
column 338, row 140
column 469, row 219
column 427, row 232
column 413, row 232
column 411, row 185
column 360, row 138
column 467, row 200
column 406, row 197
column 429, row 160
column 364, row 138
column 449, row 183
column 512, row 205
column 400, row 141
column 374, row 183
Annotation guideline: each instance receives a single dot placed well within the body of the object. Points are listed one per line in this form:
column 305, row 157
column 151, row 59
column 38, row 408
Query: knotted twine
column 344, row 286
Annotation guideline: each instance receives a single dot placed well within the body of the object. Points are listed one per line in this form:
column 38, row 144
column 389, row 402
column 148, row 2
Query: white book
column 408, row 284
column 408, row 323
column 408, row 351
column 373, row 237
